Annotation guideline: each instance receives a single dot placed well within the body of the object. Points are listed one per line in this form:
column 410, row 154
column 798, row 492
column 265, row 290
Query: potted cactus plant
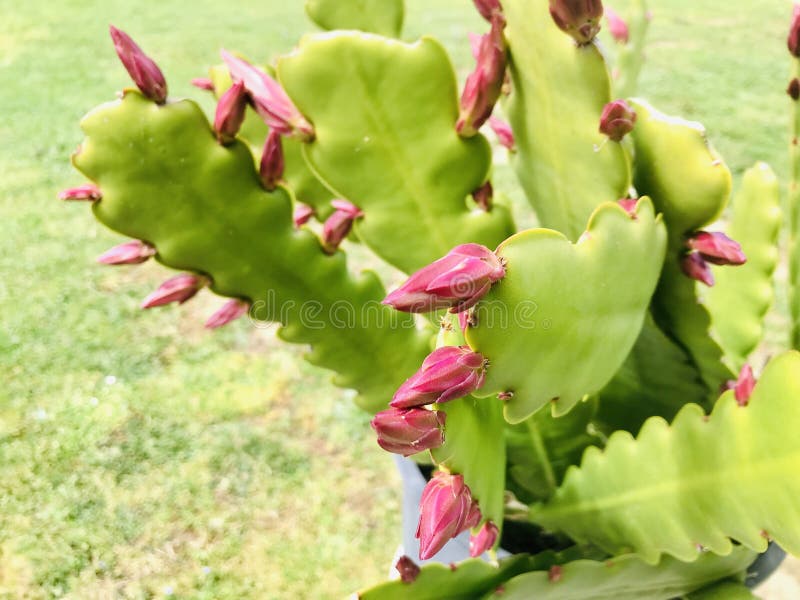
column 578, row 394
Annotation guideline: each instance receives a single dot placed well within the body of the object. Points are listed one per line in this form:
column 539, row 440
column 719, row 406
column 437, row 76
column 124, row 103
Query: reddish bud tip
column 143, row 70
column 503, row 131
column 456, row 281
column 302, row 214
column 465, row 320
column 488, row 8
column 177, row 289
column 717, row 248
column 88, row 192
column 203, row 83
column 743, row 388
column 129, row 253
column 578, row 18
column 230, row 311
column 484, row 540
column 794, row 89
column 629, row 205
column 485, row 84
column 446, row 509
column 483, row 196
column 696, row 268
column 272, row 161
column 230, row 113
column 617, row 120
column 409, row 431
column 339, row 224
column 793, row 41
column 408, row 569
column 617, row 26
column 555, row 574
column 447, row 373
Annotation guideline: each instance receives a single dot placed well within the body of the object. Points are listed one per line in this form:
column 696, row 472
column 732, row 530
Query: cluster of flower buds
column 457, row 281
column 578, row 18
column 617, row 120
column 338, row 225
column 617, row 26
column 269, row 99
column 706, row 247
column 143, row 70
column 408, row 431
column 446, row 509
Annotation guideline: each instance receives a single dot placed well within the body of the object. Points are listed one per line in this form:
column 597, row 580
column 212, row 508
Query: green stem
column 541, row 453
column 794, row 220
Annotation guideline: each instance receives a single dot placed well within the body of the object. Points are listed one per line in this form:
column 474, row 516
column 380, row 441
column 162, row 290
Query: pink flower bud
column 409, row 431
column 203, row 83
column 485, row 84
column 696, row 268
column 793, row 41
column 269, row 99
column 339, row 224
column 272, row 161
column 578, row 18
column 456, row 281
column 617, row 26
column 484, row 540
column 177, row 289
column 408, row 570
column 129, row 253
column 503, row 132
column 447, row 373
column 445, row 510
column 743, row 388
column 142, row 69
column 465, row 320
column 617, row 120
column 302, row 214
column 488, row 8
column 483, row 196
column 629, row 205
column 230, row 113
column 88, row 192
column 717, row 248
column 230, row 311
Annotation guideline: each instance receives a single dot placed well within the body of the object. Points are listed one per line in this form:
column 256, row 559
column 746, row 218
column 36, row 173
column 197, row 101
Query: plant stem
column 541, row 452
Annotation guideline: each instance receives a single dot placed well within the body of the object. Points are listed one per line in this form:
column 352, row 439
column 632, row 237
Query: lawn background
column 141, row 456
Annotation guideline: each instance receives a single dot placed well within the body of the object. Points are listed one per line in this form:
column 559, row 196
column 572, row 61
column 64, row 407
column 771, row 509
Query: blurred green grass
column 143, row 457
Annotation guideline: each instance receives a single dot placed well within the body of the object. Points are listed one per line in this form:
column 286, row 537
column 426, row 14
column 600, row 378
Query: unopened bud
column 230, row 113
column 129, row 253
column 503, row 131
column 629, row 205
column 617, row 120
column 488, row 8
column 696, row 268
column 793, row 41
column 483, row 196
column 578, row 18
column 177, row 289
column 743, row 388
column 409, row 431
column 272, row 161
column 302, row 214
column 338, row 225
column 230, row 311
column 88, row 192
column 446, row 509
column 717, row 248
column 617, row 26
column 408, row 569
column 203, row 83
column 143, row 70
column 484, row 540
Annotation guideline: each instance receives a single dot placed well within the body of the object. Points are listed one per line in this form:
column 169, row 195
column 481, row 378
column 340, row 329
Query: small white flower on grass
column 110, row 379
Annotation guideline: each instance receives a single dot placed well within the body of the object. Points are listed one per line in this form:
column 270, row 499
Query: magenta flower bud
column 456, row 281
column 483, row 196
column 129, row 253
column 408, row 569
column 445, row 510
column 793, row 41
column 177, row 289
column 794, row 89
column 88, row 192
column 488, row 8
column 447, row 373
column 696, row 268
column 339, row 224
column 203, row 83
column 302, row 214
column 272, row 161
column 617, row 26
column 717, row 248
column 484, row 540
column 617, row 120
column 503, row 132
column 629, row 205
column 230, row 113
column 230, row 311
column 142, row 69
column 409, row 431
column 485, row 84
column 743, row 388
column 465, row 320
column 269, row 99
column 578, row 18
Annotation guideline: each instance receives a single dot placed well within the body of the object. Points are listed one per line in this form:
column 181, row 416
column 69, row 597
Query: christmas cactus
column 585, row 383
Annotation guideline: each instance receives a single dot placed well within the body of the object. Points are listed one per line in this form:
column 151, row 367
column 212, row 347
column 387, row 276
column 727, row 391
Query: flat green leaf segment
column 741, row 297
column 626, row 578
column 565, row 317
column 699, row 482
column 384, row 17
column 384, row 114
column 690, row 185
column 727, row 590
column 166, row 180
column 565, row 165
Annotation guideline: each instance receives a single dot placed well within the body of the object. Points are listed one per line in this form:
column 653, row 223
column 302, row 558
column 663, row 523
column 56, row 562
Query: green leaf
column 742, row 296
column 547, row 327
column 565, row 165
column 384, row 113
column 376, row 16
column 166, row 180
column 696, row 484
column 727, row 590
